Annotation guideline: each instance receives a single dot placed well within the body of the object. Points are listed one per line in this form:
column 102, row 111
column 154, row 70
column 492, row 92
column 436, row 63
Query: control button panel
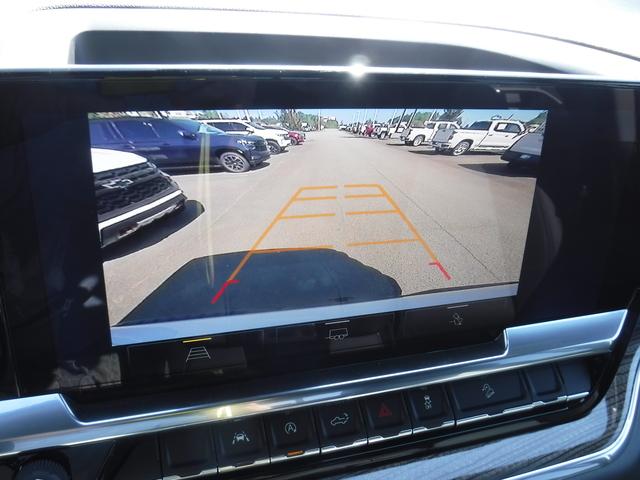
column 304, row 432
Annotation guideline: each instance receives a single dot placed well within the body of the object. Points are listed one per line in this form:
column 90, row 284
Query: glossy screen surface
column 210, row 214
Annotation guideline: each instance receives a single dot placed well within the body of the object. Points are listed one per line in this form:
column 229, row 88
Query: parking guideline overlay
column 397, row 210
column 281, row 216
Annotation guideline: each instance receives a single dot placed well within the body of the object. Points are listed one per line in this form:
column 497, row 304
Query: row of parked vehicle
column 519, row 144
column 131, row 155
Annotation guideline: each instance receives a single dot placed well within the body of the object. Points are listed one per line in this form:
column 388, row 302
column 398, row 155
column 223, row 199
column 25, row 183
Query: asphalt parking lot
column 428, row 221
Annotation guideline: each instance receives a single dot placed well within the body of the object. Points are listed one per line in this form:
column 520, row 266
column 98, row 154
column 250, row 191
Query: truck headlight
column 246, row 143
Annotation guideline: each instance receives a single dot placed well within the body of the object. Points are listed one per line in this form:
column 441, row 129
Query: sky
column 382, row 115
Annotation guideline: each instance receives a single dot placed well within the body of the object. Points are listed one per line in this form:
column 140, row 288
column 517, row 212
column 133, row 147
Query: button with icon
column 386, row 416
column 290, row 428
column 340, row 425
column 240, row 443
column 291, row 434
column 429, row 408
column 489, row 395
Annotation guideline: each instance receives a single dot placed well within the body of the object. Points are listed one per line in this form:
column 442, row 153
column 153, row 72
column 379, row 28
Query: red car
column 369, row 130
column 297, row 138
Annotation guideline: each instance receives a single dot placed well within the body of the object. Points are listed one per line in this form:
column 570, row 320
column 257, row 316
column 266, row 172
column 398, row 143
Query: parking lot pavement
column 428, row 221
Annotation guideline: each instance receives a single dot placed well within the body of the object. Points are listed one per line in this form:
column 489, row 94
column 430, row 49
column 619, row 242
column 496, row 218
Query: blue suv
column 177, row 144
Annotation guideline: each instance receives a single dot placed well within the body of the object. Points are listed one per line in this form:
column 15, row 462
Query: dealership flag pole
column 400, row 120
column 412, row 117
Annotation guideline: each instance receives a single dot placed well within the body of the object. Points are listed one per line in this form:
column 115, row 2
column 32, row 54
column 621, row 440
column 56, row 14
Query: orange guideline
column 296, row 197
column 280, row 216
column 396, row 209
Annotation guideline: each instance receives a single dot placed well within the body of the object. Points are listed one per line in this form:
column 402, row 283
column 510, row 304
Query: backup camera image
column 207, row 214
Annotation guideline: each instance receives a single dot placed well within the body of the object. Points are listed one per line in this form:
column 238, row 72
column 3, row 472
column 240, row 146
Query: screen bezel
column 54, row 237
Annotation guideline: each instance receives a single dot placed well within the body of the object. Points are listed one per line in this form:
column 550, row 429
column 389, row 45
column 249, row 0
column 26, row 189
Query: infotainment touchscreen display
column 240, row 219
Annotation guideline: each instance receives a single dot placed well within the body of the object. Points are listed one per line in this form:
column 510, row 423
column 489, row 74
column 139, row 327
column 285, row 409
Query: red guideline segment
column 222, row 289
column 441, row 268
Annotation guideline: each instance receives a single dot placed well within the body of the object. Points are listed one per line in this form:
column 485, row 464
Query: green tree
column 291, row 118
column 538, row 119
column 270, row 120
column 310, row 118
column 208, row 115
column 450, row 115
column 420, row 118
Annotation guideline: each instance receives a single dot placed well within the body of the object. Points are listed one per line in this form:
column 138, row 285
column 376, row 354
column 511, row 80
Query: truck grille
column 125, row 187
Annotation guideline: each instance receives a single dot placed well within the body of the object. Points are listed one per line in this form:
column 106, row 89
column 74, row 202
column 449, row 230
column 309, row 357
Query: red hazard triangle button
column 384, row 411
column 386, row 415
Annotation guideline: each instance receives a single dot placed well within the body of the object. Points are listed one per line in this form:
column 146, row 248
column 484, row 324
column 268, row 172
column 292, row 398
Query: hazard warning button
column 386, row 417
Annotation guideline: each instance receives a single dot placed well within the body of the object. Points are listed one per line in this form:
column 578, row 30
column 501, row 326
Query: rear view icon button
column 198, row 353
column 338, row 334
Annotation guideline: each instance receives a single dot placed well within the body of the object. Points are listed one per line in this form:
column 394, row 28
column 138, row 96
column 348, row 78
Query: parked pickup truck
column 525, row 152
column 416, row 136
column 277, row 140
column 130, row 193
column 178, row 144
column 387, row 131
column 485, row 135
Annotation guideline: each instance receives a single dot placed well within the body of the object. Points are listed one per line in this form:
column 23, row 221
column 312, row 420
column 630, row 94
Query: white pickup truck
column 277, row 140
column 130, row 193
column 485, row 135
column 416, row 136
column 388, row 131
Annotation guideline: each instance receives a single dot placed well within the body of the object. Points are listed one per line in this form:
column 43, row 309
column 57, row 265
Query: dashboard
column 329, row 264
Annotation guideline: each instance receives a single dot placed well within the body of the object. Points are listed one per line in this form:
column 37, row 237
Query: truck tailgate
column 442, row 136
